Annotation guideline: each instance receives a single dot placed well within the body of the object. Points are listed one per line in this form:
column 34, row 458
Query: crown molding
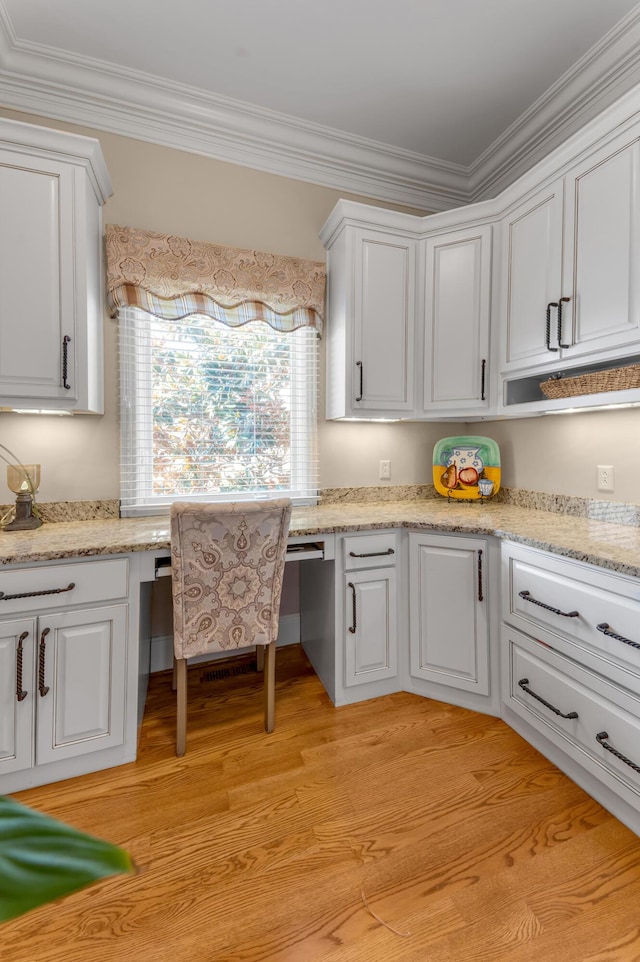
column 80, row 90
column 63, row 86
column 604, row 74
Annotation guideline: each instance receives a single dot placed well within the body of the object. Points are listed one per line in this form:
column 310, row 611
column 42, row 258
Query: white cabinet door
column 37, row 297
column 448, row 612
column 532, row 244
column 82, row 667
column 602, row 252
column 52, row 186
column 371, row 620
column 16, row 695
column 457, row 311
column 382, row 376
column 371, row 301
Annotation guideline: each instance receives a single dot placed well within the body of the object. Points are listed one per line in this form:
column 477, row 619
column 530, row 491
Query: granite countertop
column 609, row 545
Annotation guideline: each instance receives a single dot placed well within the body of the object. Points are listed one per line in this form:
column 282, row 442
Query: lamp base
column 25, row 519
column 23, row 524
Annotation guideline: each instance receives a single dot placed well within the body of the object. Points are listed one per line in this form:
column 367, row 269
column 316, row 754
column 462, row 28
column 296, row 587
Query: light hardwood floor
column 460, row 836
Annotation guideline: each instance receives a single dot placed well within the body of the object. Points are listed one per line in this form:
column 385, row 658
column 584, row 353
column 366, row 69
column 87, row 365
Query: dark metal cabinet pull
column 547, row 337
column 36, row 594
column 65, row 362
column 600, row 738
column 372, row 554
column 565, row 614
column 359, row 365
column 483, row 375
column 20, row 693
column 563, row 300
column 523, row 683
column 607, row 630
column 354, row 624
column 42, row 652
column 480, row 588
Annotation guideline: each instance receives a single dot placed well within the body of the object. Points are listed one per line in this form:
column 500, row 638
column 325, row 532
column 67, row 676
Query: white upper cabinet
column 602, row 252
column 52, row 187
column 570, row 265
column 532, row 244
column 371, row 326
column 457, row 305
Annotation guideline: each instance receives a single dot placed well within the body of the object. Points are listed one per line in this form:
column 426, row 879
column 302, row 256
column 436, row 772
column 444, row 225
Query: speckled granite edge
column 390, row 492
column 617, row 512
column 59, row 511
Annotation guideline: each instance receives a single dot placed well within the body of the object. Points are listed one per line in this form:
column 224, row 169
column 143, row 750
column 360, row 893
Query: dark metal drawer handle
column 565, row 614
column 35, row 594
column 372, row 554
column 556, row 711
column 359, row 365
column 480, row 587
column 42, row 651
column 483, row 375
column 354, row 623
column 20, row 693
column 600, row 738
column 606, row 630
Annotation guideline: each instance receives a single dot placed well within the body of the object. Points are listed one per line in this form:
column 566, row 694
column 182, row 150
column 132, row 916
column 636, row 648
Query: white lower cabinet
column 571, row 673
column 371, row 642
column 63, row 673
column 448, row 618
column 351, row 617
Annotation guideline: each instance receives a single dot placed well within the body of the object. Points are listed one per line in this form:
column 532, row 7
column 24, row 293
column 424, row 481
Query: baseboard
column 162, row 646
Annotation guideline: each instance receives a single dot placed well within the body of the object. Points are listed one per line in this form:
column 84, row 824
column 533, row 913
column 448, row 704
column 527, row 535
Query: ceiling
column 424, row 102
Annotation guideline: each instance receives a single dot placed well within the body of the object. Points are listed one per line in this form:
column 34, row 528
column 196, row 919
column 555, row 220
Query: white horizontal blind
column 211, row 412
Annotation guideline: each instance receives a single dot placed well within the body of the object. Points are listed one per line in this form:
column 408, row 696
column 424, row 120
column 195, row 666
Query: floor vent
column 217, row 673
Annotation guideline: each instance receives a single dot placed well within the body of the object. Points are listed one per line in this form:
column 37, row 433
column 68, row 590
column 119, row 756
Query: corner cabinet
column 52, row 188
column 571, row 290
column 449, row 620
column 371, row 301
column 64, row 669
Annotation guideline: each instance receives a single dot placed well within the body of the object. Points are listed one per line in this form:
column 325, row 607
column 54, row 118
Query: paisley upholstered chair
column 227, row 564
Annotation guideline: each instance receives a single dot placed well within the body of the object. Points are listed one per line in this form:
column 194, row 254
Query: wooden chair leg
column 259, row 657
column 174, row 679
column 270, row 687
column 181, row 708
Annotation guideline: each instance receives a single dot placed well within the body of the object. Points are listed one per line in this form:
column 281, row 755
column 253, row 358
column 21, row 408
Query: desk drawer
column 48, row 588
column 580, row 712
column 370, row 550
column 597, row 611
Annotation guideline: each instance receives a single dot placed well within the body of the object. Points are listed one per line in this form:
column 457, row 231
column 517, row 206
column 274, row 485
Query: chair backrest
column 227, row 563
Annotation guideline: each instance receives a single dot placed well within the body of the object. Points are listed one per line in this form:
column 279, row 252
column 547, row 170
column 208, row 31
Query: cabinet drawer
column 593, row 610
column 370, row 550
column 48, row 587
column 595, row 723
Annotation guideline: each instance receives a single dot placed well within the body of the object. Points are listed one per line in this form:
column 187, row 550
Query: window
column 214, row 412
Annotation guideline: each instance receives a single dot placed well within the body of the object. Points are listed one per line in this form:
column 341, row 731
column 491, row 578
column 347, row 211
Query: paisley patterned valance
column 173, row 277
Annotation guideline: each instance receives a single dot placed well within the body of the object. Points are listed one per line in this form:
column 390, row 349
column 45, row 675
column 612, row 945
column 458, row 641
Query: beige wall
column 168, row 190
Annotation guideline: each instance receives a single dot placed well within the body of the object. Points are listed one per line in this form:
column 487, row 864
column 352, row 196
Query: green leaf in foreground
column 42, row 859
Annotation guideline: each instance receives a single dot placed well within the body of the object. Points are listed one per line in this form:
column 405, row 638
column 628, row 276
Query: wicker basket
column 615, row 379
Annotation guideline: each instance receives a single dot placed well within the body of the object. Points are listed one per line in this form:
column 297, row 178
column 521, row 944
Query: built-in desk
column 96, row 641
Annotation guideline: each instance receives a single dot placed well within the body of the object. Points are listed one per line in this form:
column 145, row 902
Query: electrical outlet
column 605, row 477
column 385, row 470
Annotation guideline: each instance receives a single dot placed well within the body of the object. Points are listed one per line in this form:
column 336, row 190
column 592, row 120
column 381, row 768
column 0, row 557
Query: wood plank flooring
column 397, row 829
